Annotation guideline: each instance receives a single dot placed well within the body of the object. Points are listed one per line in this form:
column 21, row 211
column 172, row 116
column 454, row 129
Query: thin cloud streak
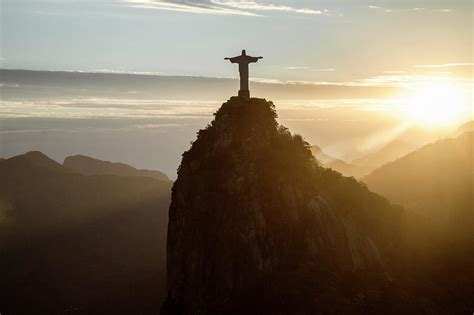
column 296, row 68
column 446, row 65
column 417, row 9
column 200, row 7
column 260, row 6
column 326, row 70
column 309, row 68
column 220, row 7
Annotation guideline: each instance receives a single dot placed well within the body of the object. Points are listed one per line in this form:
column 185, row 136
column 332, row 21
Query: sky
column 349, row 76
column 307, row 40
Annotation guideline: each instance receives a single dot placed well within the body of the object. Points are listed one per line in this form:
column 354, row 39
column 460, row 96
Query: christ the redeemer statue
column 243, row 61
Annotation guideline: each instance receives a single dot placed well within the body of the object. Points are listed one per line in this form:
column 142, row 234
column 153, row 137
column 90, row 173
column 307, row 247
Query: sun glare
column 437, row 105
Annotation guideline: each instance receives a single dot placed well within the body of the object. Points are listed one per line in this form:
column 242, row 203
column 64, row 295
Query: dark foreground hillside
column 74, row 244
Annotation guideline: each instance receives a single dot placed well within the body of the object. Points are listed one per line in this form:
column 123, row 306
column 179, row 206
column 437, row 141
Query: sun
column 437, row 105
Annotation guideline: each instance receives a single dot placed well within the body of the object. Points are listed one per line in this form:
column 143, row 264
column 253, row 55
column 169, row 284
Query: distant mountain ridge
column 328, row 161
column 364, row 165
column 90, row 166
column 467, row 127
column 432, row 179
column 387, row 153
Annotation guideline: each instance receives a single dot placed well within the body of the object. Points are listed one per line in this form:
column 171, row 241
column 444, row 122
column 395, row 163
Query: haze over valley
column 148, row 120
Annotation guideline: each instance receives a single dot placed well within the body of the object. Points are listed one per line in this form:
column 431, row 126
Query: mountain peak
column 35, row 158
column 252, row 213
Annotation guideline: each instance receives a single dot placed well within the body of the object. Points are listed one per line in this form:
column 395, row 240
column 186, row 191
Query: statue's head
column 243, row 52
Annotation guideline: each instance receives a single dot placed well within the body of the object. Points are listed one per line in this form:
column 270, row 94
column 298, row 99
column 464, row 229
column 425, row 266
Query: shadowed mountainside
column 80, row 244
column 256, row 226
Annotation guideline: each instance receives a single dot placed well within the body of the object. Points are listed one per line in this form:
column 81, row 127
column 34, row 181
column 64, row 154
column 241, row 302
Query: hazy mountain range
column 436, row 181
column 366, row 164
column 334, row 163
column 75, row 243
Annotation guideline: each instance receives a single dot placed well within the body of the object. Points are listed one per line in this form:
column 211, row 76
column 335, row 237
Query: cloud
column 260, row 6
column 326, row 69
column 409, row 80
column 418, row 9
column 244, row 8
column 447, row 65
column 296, row 68
column 308, row 68
column 100, row 107
column 264, row 80
column 394, row 71
column 189, row 6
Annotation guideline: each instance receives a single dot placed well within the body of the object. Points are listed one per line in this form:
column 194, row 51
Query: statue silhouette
column 243, row 61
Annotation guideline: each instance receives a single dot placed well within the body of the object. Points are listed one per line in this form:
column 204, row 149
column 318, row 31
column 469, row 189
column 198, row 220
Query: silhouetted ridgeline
column 256, row 226
column 80, row 244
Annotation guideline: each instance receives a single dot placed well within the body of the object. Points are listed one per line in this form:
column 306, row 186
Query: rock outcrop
column 257, row 226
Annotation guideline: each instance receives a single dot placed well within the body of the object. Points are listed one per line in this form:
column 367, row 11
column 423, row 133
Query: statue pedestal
column 244, row 93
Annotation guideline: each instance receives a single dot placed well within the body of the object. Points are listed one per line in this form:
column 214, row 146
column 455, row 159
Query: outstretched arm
column 254, row 59
column 233, row 59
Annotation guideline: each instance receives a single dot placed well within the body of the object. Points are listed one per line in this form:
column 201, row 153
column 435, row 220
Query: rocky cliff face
column 256, row 225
